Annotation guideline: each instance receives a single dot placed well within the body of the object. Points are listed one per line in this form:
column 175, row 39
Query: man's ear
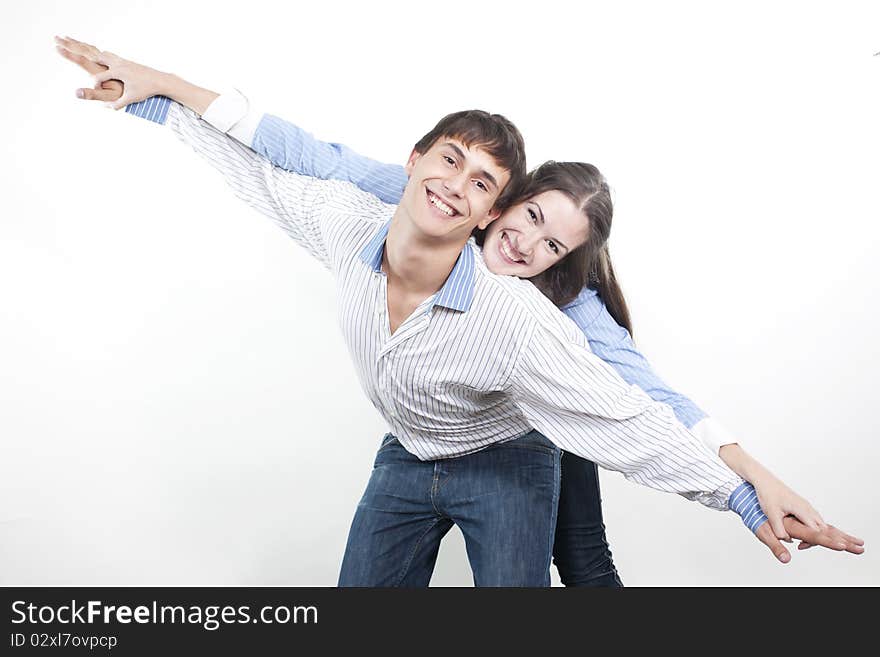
column 494, row 213
column 411, row 162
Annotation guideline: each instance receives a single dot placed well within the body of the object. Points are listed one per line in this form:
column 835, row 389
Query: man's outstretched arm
column 295, row 203
column 139, row 82
column 283, row 143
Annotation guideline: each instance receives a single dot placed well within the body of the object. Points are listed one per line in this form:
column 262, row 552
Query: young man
column 455, row 359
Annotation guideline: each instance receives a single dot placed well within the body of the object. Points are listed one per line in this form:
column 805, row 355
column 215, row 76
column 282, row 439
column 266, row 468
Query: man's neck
column 416, row 264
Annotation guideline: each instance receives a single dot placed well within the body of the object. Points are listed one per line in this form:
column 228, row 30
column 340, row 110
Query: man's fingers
column 105, row 95
column 803, row 545
column 830, row 537
column 853, row 539
column 765, row 535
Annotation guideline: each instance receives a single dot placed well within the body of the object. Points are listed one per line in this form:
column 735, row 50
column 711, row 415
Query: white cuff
column 713, row 434
column 231, row 113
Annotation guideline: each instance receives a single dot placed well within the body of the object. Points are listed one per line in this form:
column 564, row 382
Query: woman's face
column 534, row 235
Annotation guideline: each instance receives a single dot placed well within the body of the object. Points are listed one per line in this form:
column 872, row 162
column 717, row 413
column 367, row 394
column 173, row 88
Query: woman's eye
column 532, row 215
column 482, row 186
column 449, row 160
column 553, row 246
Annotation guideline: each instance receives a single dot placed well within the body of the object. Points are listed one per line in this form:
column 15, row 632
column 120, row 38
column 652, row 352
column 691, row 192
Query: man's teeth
column 505, row 247
column 440, row 204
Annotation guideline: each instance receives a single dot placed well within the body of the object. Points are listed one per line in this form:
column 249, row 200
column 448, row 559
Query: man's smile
column 441, row 205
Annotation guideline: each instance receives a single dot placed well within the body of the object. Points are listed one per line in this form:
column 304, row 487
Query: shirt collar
column 457, row 292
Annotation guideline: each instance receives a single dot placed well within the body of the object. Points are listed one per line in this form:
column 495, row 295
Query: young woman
column 555, row 235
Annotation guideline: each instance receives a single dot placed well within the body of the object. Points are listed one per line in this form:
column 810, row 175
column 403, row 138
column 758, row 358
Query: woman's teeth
column 507, row 249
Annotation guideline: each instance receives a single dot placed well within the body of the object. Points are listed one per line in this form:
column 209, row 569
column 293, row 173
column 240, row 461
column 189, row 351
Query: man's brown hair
column 493, row 133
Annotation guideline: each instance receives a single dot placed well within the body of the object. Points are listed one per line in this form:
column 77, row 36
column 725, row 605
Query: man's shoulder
column 351, row 214
column 345, row 197
column 521, row 300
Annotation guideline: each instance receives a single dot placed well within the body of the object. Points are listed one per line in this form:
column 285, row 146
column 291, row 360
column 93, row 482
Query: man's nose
column 455, row 184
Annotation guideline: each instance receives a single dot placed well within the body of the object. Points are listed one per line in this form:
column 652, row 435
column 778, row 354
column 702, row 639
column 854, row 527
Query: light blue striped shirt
column 289, row 147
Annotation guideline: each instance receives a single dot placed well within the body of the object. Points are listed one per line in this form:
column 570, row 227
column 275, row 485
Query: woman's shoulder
column 585, row 308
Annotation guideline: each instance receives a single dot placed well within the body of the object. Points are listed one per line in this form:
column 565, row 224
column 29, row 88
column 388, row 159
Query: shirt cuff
column 153, row 109
column 231, row 113
column 713, row 434
column 744, row 501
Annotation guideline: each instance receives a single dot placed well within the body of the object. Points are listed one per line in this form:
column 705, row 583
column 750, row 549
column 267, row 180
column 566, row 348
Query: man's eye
column 482, row 186
column 553, row 246
column 532, row 215
column 449, row 160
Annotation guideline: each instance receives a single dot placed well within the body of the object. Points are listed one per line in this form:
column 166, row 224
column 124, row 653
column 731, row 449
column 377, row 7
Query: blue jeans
column 503, row 498
column 580, row 551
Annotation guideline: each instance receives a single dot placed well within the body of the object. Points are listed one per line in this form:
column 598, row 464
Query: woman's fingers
column 82, row 49
column 86, row 64
column 104, row 76
column 808, row 515
column 108, row 58
column 774, row 518
column 765, row 534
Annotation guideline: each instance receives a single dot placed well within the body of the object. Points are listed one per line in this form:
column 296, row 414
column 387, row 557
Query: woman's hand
column 779, row 501
column 828, row 536
column 134, row 82
column 137, row 82
column 108, row 91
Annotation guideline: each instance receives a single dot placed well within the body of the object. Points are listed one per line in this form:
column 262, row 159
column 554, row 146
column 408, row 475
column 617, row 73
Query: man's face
column 452, row 189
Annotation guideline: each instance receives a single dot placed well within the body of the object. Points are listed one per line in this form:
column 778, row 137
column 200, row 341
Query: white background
column 176, row 403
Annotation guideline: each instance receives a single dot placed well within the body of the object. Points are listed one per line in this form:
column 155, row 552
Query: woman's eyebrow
column 540, row 211
column 541, row 215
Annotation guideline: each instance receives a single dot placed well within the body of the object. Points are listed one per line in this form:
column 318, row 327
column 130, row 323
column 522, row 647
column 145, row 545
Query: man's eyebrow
column 485, row 174
column 488, row 176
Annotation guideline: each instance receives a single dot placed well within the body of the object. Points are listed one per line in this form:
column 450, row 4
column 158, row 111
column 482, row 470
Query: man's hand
column 137, row 82
column 829, row 537
column 108, row 91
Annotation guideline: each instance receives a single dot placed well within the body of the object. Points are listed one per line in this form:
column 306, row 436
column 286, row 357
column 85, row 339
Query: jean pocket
column 532, row 440
column 388, row 440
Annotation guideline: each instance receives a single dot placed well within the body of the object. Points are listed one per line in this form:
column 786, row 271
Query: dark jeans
column 503, row 498
column 580, row 551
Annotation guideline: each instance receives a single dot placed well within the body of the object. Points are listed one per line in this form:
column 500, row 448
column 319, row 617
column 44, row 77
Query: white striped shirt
column 484, row 360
